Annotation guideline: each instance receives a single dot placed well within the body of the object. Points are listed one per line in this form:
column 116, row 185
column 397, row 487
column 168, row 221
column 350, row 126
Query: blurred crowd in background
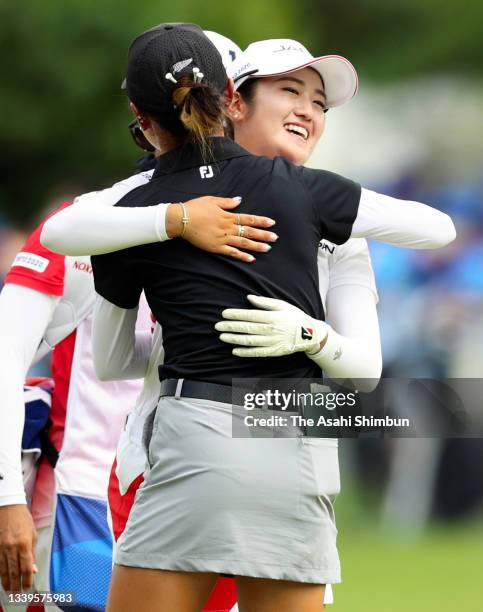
column 431, row 318
column 421, row 139
column 415, row 131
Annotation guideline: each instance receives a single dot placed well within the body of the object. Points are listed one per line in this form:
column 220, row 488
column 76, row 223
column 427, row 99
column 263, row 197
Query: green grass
column 440, row 570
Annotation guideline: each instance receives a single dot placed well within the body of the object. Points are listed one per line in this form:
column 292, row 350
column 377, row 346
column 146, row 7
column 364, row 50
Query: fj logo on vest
column 206, row 172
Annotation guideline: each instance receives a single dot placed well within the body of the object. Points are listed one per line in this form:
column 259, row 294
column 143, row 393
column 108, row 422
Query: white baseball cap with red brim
column 281, row 56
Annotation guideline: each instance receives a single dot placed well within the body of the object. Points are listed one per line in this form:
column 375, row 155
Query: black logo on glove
column 307, row 333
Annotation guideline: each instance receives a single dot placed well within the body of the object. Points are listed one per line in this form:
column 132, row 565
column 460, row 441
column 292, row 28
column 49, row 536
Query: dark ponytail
column 198, row 113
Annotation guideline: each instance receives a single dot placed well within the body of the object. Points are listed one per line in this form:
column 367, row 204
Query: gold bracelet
column 184, row 219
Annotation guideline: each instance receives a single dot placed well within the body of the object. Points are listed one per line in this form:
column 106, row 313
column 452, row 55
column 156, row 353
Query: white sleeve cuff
column 11, row 486
column 14, row 500
column 160, row 221
column 331, row 351
column 350, row 359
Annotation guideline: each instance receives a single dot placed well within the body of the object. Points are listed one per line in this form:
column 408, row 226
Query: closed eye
column 322, row 105
column 291, row 90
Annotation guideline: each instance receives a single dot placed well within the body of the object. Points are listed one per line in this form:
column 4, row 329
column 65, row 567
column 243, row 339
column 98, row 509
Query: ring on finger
column 241, row 231
column 238, row 219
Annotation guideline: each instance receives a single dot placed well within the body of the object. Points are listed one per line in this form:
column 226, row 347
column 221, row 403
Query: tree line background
column 63, row 115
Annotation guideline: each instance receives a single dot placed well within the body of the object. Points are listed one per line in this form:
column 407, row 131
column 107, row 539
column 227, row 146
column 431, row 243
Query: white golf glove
column 273, row 329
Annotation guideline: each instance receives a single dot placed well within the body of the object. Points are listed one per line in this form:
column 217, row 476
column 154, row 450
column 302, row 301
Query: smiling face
column 284, row 117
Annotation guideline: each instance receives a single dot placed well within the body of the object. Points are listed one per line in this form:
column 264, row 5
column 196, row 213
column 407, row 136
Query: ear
column 143, row 121
column 237, row 108
column 229, row 91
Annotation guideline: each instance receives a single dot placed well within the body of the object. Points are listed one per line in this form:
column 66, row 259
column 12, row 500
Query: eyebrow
column 300, row 82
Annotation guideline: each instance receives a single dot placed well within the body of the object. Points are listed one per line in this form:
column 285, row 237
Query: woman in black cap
column 212, row 503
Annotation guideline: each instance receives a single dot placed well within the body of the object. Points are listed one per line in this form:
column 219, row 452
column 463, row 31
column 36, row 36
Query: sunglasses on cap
column 139, row 138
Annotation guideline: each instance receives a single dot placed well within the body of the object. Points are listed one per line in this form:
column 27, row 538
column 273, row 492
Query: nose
column 304, row 108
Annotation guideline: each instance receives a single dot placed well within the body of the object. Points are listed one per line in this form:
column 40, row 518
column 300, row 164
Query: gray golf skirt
column 251, row 506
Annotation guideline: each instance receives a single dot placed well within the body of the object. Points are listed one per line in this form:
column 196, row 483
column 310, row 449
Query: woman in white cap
column 292, row 126
column 282, row 95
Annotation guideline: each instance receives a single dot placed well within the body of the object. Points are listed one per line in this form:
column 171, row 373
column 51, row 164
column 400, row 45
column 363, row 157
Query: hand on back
column 211, row 227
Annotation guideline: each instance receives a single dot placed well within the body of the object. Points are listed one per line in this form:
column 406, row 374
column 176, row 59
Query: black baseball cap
column 175, row 49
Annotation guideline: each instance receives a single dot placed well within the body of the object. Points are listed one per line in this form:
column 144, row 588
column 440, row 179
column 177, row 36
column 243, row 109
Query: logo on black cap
column 178, row 67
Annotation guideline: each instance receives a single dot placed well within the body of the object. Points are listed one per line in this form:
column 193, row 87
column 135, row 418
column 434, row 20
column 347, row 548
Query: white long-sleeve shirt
column 92, row 226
